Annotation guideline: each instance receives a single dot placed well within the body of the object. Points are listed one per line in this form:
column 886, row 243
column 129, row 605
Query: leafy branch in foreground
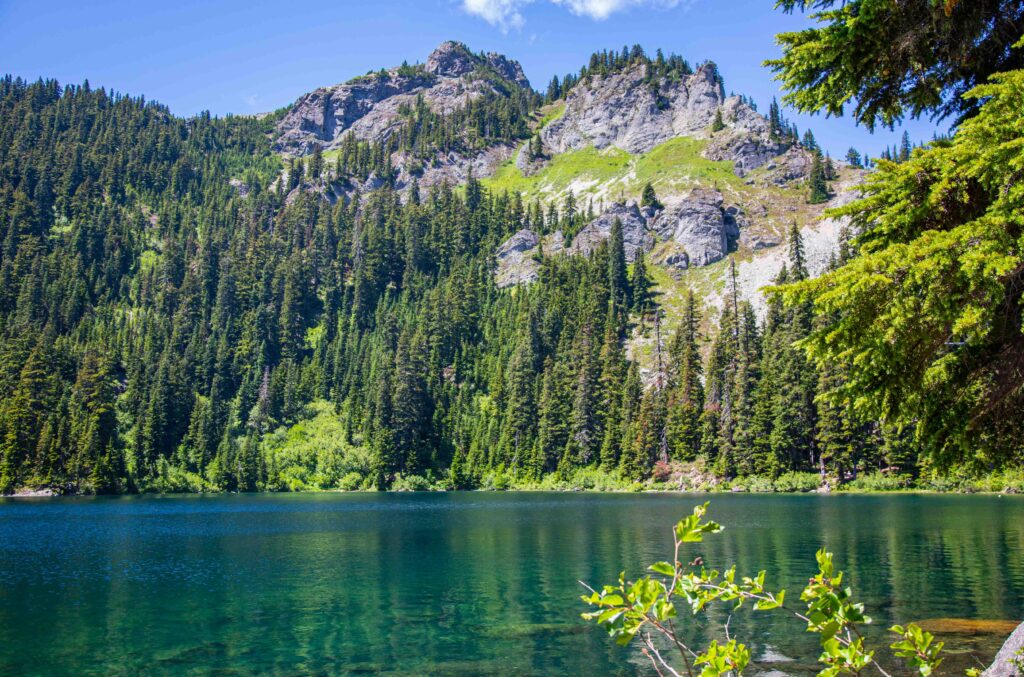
column 647, row 609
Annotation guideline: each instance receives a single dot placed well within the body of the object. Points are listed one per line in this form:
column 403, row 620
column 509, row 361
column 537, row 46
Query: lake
column 459, row 583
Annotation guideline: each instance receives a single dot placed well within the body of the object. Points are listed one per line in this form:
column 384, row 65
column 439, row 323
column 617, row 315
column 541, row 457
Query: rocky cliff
column 725, row 182
column 628, row 110
column 368, row 106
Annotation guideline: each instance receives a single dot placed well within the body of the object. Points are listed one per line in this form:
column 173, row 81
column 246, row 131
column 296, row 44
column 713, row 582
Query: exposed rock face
column 515, row 258
column 700, row 225
column 701, row 229
column 453, row 59
column 368, row 106
column 621, row 109
column 1003, row 666
column 746, row 141
column 452, row 168
column 794, row 164
column 758, row 241
column 635, row 235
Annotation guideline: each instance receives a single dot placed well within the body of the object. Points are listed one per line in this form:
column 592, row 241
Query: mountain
column 368, row 107
column 738, row 188
column 431, row 275
column 380, row 107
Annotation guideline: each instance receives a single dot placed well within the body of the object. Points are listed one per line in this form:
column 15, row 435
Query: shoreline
column 50, row 493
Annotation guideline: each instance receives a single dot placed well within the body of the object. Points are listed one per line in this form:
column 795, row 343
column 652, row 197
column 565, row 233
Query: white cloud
column 505, row 14
column 501, row 13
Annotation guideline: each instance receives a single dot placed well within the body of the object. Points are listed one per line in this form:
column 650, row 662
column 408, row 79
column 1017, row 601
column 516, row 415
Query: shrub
column 410, row 483
column 662, row 472
column 879, row 481
column 759, row 484
column 171, row 479
column 350, row 482
column 797, row 482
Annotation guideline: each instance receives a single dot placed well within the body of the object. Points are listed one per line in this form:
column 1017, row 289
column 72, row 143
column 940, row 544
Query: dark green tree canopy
column 890, row 59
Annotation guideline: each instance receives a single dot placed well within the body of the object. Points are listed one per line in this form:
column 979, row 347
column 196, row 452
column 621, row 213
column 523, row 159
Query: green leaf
column 663, row 568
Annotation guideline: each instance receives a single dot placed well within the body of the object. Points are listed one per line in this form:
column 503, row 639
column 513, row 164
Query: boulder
column 699, row 224
column 635, row 235
column 515, row 259
column 1009, row 662
column 792, row 165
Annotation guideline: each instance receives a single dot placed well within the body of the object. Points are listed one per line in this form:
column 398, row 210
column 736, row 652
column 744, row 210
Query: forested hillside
column 184, row 308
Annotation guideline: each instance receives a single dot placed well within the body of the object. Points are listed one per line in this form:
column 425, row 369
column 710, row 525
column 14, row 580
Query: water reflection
column 456, row 583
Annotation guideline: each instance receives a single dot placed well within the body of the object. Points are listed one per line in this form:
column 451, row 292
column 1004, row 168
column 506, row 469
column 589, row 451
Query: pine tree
column 553, row 413
column 585, row 441
column 519, row 422
column 618, row 285
column 316, row 163
column 640, row 284
column 816, row 181
column 686, row 394
column 717, row 124
column 648, row 198
column 905, row 148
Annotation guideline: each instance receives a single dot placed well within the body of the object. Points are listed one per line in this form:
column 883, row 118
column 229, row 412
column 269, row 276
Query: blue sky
column 254, row 55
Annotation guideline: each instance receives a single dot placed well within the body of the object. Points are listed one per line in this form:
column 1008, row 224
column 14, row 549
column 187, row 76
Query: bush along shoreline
column 675, row 477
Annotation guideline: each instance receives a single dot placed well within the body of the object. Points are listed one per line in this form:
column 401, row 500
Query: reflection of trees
column 464, row 583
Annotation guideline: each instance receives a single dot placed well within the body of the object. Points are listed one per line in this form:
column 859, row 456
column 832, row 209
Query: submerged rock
column 967, row 626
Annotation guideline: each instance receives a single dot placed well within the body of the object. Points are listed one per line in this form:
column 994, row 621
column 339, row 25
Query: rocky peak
column 625, row 109
column 453, row 59
column 628, row 110
column 368, row 106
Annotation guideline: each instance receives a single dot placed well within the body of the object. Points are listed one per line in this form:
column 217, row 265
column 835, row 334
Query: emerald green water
column 460, row 583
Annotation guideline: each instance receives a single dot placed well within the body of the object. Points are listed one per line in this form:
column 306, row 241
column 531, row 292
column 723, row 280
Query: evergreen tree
column 640, row 284
column 618, row 285
column 686, row 396
column 648, row 198
column 817, row 181
column 717, row 124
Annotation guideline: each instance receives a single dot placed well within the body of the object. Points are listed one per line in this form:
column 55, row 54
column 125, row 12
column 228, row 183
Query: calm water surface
column 465, row 583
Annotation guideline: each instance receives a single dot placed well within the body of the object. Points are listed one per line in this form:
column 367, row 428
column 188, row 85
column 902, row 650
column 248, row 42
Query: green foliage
column 817, row 181
column 675, row 163
column 717, row 124
column 797, row 482
column 648, row 198
column 312, row 454
column 927, row 321
column 410, row 483
column 651, row 606
column 879, row 481
column 164, row 327
column 896, row 59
